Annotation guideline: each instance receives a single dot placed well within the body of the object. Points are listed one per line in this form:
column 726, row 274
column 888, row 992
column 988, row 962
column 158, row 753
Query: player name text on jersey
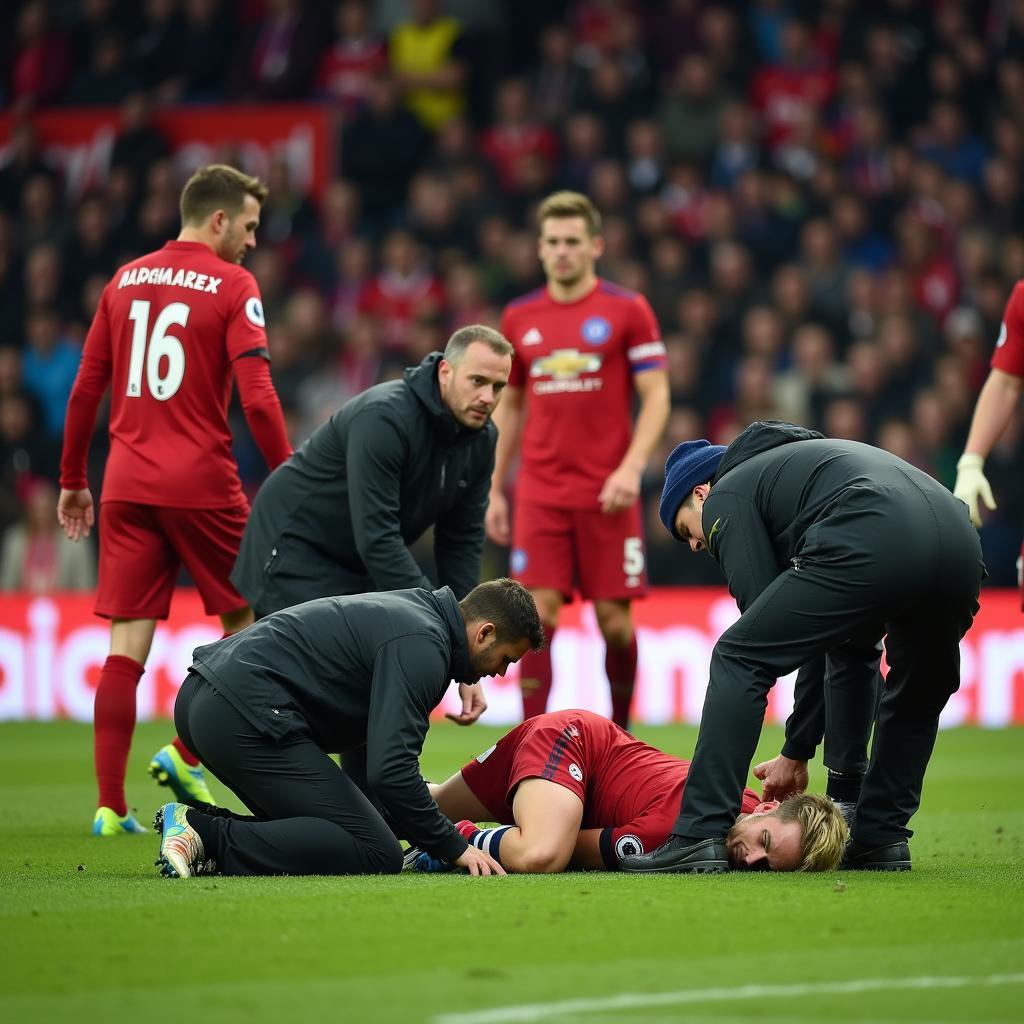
column 168, row 275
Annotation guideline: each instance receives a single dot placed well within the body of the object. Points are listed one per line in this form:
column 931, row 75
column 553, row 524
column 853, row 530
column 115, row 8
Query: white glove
column 971, row 483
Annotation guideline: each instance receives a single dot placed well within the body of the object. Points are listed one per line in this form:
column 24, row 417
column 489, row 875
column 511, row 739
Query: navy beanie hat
column 691, row 463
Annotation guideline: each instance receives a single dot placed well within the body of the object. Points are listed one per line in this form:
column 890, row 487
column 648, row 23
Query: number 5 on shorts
column 160, row 344
column 633, row 556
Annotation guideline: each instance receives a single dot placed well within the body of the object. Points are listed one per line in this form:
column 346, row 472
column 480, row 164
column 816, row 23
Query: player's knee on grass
column 383, row 856
column 391, row 860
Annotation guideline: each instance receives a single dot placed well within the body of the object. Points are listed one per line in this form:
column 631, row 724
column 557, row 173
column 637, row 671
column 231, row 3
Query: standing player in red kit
column 584, row 347
column 570, row 789
column 171, row 330
column 997, row 403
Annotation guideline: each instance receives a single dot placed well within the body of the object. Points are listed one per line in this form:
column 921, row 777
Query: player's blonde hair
column 823, row 830
column 218, row 187
column 570, row 204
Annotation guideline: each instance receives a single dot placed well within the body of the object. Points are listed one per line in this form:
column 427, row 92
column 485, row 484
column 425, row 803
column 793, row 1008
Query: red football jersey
column 575, row 362
column 629, row 790
column 622, row 772
column 166, row 331
column 1009, row 353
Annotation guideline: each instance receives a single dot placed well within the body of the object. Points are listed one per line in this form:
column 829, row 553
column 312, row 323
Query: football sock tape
column 489, row 840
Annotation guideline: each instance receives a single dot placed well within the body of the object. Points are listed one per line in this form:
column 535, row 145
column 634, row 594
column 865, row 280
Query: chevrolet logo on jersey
column 565, row 364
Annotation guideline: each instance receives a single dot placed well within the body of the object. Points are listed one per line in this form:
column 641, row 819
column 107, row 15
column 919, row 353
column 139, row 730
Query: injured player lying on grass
column 572, row 791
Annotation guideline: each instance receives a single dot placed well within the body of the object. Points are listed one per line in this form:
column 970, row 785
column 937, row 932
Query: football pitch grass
column 89, row 932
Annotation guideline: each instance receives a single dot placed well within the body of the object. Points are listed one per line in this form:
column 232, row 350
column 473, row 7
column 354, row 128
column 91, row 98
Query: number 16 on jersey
column 149, row 349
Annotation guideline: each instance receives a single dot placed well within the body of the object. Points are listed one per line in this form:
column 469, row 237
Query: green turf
column 90, row 933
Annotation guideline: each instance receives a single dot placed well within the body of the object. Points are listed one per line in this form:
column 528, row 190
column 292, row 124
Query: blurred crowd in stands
column 821, row 200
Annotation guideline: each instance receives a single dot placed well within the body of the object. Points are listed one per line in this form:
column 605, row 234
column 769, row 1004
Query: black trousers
column 309, row 818
column 913, row 564
column 852, row 690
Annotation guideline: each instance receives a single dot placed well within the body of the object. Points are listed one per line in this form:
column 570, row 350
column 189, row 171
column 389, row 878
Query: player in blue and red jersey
column 585, row 349
column 171, row 331
column 570, row 789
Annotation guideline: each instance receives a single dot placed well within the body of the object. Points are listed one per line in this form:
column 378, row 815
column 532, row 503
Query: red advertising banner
column 80, row 140
column 52, row 649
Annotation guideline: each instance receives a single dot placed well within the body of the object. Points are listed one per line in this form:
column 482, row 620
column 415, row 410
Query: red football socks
column 113, row 724
column 620, row 665
column 186, row 755
column 535, row 678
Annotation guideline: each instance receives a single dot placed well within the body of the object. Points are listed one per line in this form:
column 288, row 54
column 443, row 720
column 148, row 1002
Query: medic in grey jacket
column 821, row 541
column 335, row 674
column 337, row 517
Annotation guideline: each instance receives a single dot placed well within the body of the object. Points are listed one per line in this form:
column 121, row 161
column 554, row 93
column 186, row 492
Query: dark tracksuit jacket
column 824, row 542
column 349, row 671
column 336, row 517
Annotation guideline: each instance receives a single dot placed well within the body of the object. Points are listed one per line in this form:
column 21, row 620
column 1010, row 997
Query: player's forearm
column 526, row 857
column 508, row 418
column 79, row 421
column 655, row 405
column 996, row 405
column 262, row 410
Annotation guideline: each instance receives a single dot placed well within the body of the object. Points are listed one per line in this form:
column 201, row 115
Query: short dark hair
column 560, row 205
column 460, row 341
column 218, row 187
column 510, row 606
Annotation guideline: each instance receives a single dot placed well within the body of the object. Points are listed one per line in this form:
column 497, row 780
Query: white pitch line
column 631, row 1001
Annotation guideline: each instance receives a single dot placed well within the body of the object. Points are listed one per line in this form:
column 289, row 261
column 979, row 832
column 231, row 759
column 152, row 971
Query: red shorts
column 562, row 549
column 536, row 749
column 142, row 549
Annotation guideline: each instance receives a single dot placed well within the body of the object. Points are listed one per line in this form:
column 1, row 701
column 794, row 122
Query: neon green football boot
column 187, row 783
column 109, row 823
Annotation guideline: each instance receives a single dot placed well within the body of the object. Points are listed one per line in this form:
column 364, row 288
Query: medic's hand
column 476, row 862
column 474, row 704
column 971, row 484
column 782, row 777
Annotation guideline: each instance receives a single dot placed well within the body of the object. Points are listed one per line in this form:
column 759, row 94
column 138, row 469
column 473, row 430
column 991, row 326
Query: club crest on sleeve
column 596, row 330
column 254, row 311
column 628, row 846
column 576, row 772
column 487, row 753
column 1001, row 340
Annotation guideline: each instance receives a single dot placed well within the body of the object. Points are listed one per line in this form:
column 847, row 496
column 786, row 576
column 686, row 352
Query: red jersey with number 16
column 167, row 329
column 575, row 362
